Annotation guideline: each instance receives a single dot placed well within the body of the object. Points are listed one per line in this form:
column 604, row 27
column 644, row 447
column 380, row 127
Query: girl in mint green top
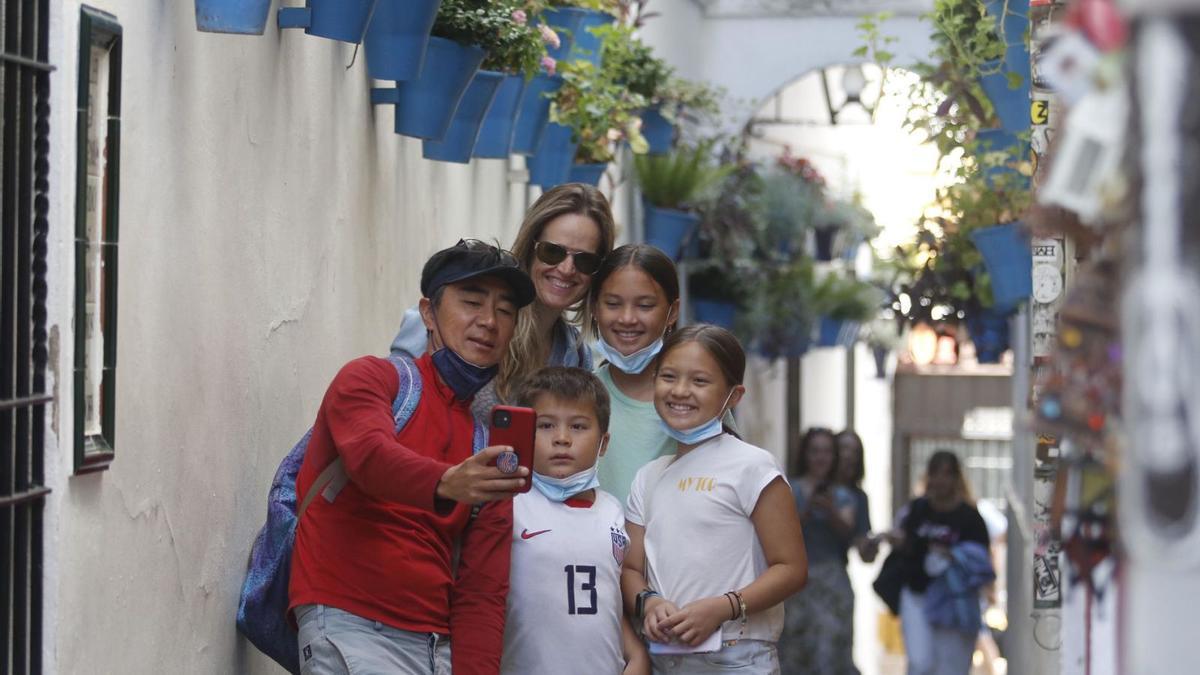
column 635, row 301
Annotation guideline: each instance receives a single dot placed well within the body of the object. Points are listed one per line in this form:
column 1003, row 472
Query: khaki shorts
column 334, row 642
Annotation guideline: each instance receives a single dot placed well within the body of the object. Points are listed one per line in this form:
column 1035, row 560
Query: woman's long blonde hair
column 526, row 353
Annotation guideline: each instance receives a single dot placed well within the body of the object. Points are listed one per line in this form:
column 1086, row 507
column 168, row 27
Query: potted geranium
column 670, row 184
column 635, row 67
column 514, row 52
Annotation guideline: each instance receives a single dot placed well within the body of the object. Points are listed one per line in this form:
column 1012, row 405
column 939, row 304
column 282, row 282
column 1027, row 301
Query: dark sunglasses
column 498, row 255
column 552, row 254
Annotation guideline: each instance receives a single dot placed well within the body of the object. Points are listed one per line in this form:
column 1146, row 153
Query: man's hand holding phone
column 476, row 479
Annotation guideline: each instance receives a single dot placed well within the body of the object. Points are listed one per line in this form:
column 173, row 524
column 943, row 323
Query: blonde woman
column 565, row 236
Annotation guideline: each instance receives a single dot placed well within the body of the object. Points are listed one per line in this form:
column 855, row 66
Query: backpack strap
column 331, row 481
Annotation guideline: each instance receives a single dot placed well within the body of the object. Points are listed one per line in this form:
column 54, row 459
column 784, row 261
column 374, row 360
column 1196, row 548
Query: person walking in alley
column 818, row 636
column 565, row 236
column 715, row 545
column 374, row 583
column 943, row 544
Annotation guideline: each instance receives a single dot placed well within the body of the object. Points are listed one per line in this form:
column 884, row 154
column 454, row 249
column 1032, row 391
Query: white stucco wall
column 272, row 227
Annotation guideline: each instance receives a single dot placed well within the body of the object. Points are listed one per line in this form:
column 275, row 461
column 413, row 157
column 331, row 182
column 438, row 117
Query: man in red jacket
column 374, row 583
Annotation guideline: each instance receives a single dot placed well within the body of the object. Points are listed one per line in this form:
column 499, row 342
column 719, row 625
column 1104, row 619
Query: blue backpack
column 262, row 614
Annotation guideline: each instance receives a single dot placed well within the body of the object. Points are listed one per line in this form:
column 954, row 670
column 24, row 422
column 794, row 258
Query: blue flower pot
column 667, row 228
column 496, row 132
column 659, row 132
column 996, row 140
column 533, row 113
column 586, row 45
column 565, row 22
column 823, row 242
column 1012, row 105
column 717, row 312
column 551, row 165
column 989, row 333
column 458, row 142
column 836, row 332
column 397, row 37
column 587, row 173
column 1009, row 260
column 425, row 106
column 344, row 20
column 244, row 17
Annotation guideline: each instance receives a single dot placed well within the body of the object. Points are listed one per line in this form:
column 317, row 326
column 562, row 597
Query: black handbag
column 890, row 580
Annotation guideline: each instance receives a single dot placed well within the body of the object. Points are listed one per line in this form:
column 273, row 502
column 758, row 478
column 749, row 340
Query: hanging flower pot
column 243, row 17
column 344, row 20
column 658, row 132
column 397, row 37
column 1009, row 260
column 989, row 333
column 587, row 173
column 586, row 45
column 1012, row 105
column 459, row 140
column 823, row 236
column 999, row 140
column 836, row 332
column 496, row 132
column 551, row 165
column 881, row 358
column 667, row 228
column 717, row 312
column 564, row 21
column 425, row 106
column 533, row 113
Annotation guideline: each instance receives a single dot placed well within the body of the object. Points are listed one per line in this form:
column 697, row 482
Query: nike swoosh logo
column 526, row 534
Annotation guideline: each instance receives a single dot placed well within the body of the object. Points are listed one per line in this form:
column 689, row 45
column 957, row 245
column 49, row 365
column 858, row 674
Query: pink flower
column 549, row 64
column 518, row 16
column 549, row 36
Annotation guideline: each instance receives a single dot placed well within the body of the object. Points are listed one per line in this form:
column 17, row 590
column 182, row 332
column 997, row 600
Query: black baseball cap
column 471, row 258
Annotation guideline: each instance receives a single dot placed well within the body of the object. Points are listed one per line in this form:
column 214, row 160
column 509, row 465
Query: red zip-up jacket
column 382, row 549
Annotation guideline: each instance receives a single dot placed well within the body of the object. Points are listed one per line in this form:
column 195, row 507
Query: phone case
column 514, row 426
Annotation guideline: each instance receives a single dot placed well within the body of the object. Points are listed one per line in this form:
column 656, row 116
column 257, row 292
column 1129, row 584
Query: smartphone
column 514, row 427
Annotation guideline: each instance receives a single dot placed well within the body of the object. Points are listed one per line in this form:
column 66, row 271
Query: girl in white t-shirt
column 715, row 540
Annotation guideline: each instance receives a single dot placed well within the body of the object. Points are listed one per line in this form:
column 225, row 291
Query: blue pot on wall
column 586, row 46
column 459, row 140
column 1012, row 105
column 496, row 132
column 243, row 17
column 533, row 113
column 659, row 132
column 1009, row 260
column 565, row 22
column 989, row 333
column 997, row 140
column 836, row 332
column 397, row 37
column 551, row 165
column 425, row 106
column 667, row 228
column 587, row 173
column 717, row 312
column 344, row 20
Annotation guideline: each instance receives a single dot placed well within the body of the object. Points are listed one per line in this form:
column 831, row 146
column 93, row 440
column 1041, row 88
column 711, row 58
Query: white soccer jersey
column 564, row 598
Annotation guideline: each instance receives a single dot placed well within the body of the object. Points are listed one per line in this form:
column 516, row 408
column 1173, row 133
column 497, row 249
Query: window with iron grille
column 24, row 203
column 97, row 187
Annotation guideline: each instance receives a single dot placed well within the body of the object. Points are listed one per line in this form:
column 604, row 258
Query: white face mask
column 699, row 433
column 634, row 363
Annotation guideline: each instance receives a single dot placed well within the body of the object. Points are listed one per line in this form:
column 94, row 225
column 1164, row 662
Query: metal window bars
column 24, row 204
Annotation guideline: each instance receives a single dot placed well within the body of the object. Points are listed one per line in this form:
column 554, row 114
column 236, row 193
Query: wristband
column 639, row 606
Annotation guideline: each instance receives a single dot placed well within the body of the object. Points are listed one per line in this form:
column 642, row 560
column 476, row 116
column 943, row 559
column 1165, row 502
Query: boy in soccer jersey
column 568, row 542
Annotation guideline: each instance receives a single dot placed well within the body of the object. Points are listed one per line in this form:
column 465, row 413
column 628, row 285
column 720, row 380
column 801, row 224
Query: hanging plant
column 600, row 112
column 502, row 28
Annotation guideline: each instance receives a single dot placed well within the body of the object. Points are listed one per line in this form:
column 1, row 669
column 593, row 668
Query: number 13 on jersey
column 586, row 575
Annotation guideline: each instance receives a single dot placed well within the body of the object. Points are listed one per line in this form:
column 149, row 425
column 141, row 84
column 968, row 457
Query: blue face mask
column 634, row 363
column 562, row 489
column 701, row 433
column 463, row 377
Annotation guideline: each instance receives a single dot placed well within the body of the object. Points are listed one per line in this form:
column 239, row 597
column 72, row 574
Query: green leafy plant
column 781, row 315
column 791, row 206
column 599, row 110
column 845, row 298
column 675, row 180
column 721, row 279
column 632, row 63
column 500, row 27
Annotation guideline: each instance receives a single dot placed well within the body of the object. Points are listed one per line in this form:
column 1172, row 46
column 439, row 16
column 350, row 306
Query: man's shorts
column 334, row 642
